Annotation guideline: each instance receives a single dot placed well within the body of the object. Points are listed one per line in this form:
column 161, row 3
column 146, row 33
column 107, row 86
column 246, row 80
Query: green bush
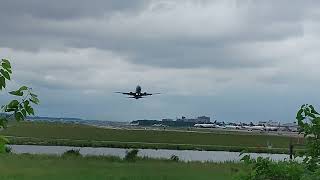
column 72, row 152
column 131, row 155
column 265, row 169
column 3, row 142
column 8, row 149
column 311, row 175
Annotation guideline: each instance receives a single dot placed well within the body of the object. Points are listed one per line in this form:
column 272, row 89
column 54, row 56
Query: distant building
column 167, row 120
column 269, row 123
column 198, row 120
column 203, row 119
column 182, row 119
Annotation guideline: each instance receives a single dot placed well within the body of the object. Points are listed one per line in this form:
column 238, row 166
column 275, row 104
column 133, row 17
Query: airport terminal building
column 198, row 120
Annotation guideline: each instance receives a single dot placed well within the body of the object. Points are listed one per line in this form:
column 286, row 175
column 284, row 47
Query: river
column 184, row 155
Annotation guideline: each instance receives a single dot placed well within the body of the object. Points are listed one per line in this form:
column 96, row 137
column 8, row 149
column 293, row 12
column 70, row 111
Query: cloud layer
column 201, row 54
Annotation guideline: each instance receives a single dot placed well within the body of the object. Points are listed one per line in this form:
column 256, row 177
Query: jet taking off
column 138, row 94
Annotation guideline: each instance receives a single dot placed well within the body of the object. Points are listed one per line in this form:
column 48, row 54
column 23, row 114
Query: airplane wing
column 149, row 94
column 126, row 93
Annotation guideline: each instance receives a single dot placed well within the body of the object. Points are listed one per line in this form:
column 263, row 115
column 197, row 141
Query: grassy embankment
column 81, row 135
column 36, row 167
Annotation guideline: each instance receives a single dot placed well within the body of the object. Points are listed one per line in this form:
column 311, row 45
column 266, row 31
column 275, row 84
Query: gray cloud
column 72, row 9
column 158, row 33
column 210, row 52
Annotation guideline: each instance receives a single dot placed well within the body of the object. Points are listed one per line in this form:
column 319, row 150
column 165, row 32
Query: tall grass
column 36, row 167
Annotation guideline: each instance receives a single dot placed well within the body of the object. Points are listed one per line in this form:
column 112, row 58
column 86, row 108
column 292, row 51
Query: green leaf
column 5, row 74
column 30, row 111
column 34, row 100
column 311, row 115
column 2, row 82
column 6, row 62
column 16, row 93
column 299, row 115
column 313, row 110
column 25, row 104
column 24, row 112
column 6, row 67
column 33, row 95
column 13, row 104
column 28, row 108
column 19, row 116
column 23, row 88
column 6, row 109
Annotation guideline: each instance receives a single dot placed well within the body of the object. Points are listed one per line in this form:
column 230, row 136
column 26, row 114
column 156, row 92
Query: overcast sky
column 231, row 60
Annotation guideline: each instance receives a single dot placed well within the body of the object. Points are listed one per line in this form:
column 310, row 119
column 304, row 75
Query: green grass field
column 39, row 167
column 81, row 135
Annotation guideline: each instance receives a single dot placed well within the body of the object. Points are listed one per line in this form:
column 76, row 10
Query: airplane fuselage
column 137, row 94
column 138, row 90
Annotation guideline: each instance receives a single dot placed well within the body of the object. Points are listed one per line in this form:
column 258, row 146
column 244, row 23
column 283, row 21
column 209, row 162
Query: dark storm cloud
column 156, row 33
column 61, row 10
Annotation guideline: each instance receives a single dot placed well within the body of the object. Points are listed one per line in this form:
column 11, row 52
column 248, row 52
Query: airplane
column 252, row 128
column 271, row 128
column 206, row 126
column 138, row 94
column 232, row 127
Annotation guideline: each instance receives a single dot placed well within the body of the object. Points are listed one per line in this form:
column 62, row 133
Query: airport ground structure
column 204, row 122
column 67, row 134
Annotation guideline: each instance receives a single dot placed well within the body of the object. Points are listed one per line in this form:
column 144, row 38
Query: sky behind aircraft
column 231, row 60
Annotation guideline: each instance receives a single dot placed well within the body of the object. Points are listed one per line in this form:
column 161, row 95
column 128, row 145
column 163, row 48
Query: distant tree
column 19, row 107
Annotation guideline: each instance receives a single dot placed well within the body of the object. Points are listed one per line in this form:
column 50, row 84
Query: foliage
column 309, row 124
column 8, row 149
column 264, row 169
column 311, row 175
column 51, row 167
column 3, row 142
column 18, row 108
column 131, row 155
column 72, row 152
column 174, row 158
